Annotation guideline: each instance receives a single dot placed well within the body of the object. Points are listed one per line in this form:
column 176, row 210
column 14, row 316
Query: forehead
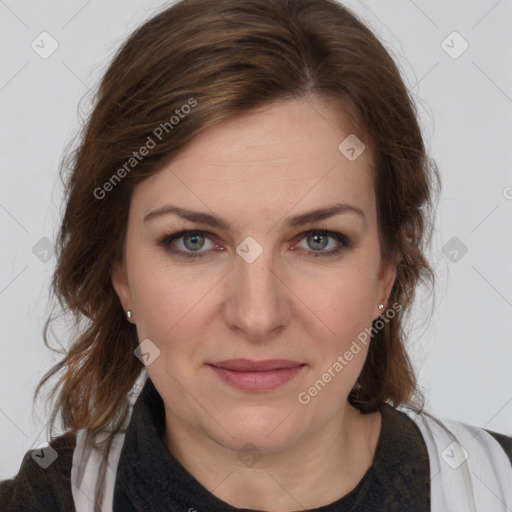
column 283, row 154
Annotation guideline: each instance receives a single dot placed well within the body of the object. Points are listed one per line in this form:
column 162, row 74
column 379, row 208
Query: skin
column 255, row 171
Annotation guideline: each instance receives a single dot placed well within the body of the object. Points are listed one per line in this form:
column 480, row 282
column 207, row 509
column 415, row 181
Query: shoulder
column 465, row 463
column 430, row 427
column 43, row 481
column 473, row 441
column 504, row 441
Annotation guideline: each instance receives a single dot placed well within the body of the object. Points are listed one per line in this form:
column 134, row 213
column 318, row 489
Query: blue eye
column 193, row 241
column 318, row 240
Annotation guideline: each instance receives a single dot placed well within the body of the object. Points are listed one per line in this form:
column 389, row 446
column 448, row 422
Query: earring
column 129, row 314
column 381, row 306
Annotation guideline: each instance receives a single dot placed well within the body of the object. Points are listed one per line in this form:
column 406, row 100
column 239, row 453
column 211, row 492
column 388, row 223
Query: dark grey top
column 150, row 479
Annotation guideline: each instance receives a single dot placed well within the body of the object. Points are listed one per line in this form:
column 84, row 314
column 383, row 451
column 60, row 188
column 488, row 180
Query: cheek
column 346, row 303
column 179, row 302
column 347, row 312
column 170, row 303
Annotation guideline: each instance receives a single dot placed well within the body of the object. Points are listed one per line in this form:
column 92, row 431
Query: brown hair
column 222, row 58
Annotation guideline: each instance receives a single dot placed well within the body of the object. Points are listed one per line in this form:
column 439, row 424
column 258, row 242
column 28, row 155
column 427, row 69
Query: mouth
column 246, row 365
column 256, row 375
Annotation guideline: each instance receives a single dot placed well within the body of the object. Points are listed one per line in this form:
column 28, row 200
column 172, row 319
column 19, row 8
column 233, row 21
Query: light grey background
column 463, row 355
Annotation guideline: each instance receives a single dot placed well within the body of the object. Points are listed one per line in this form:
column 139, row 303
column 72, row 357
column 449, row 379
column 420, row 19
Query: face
column 256, row 279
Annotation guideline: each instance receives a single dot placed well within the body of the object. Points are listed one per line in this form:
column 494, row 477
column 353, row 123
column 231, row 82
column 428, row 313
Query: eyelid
column 166, row 240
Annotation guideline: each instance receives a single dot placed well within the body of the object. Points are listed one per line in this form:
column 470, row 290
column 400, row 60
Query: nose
column 258, row 301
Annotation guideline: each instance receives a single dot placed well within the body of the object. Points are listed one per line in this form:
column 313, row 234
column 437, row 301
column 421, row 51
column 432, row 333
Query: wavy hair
column 229, row 57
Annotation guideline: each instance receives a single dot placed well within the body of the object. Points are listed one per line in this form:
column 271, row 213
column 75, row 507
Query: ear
column 387, row 276
column 119, row 279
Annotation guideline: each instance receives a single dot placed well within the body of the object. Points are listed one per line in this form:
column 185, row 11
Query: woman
column 246, row 221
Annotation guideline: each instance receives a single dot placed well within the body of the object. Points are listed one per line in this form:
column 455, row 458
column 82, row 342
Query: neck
column 316, row 471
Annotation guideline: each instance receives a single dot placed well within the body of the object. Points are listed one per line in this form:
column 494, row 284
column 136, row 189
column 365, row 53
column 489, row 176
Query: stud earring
column 381, row 306
column 129, row 314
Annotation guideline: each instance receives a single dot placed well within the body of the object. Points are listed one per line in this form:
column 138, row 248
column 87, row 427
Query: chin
column 265, row 433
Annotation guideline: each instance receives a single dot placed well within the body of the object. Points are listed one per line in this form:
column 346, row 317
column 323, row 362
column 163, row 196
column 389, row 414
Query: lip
column 246, row 365
column 256, row 375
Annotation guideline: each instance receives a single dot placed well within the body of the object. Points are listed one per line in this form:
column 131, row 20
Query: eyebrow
column 219, row 223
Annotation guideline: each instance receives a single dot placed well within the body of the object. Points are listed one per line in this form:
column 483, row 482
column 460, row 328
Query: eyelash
column 166, row 241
